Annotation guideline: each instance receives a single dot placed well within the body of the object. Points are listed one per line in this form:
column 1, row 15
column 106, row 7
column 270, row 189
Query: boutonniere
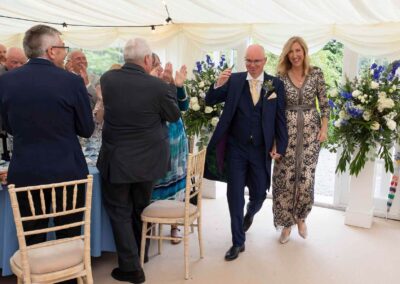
column 268, row 87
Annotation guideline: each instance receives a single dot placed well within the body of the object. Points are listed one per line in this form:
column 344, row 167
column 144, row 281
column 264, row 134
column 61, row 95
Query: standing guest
column 45, row 114
column 293, row 179
column 253, row 118
column 3, row 51
column 172, row 185
column 135, row 149
column 77, row 62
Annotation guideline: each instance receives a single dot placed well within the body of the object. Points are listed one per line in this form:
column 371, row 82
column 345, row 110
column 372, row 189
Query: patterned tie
column 255, row 94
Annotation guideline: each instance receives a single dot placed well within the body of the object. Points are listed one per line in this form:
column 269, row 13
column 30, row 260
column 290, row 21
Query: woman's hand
column 322, row 135
column 167, row 74
column 180, row 76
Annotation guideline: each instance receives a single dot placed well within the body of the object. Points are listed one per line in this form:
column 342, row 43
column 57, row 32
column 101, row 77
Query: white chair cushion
column 52, row 258
column 168, row 209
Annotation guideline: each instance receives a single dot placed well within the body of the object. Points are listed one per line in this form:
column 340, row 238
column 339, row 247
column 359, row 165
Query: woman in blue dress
column 174, row 182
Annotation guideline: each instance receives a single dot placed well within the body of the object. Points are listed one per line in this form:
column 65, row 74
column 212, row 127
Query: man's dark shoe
column 233, row 252
column 136, row 276
column 247, row 221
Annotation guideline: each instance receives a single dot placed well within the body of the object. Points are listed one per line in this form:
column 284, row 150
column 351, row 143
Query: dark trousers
column 44, row 223
column 124, row 204
column 247, row 166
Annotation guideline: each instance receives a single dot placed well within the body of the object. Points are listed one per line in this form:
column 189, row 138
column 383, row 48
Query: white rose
column 214, row 121
column 367, row 115
column 375, row 125
column 194, row 100
column 195, row 107
column 382, row 94
column 201, row 84
column 202, row 95
column 208, row 109
column 333, row 93
column 342, row 114
column 394, row 87
column 391, row 124
column 356, row 93
column 374, row 85
column 390, row 90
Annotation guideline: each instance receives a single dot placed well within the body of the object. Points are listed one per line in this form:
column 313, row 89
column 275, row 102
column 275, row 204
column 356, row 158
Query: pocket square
column 272, row 96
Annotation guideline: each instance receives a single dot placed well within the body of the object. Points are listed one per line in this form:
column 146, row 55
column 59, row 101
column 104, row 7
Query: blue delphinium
column 346, row 95
column 198, row 65
column 222, row 61
column 377, row 71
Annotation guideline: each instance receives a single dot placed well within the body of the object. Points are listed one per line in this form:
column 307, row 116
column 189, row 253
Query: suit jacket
column 135, row 145
column 45, row 107
column 273, row 121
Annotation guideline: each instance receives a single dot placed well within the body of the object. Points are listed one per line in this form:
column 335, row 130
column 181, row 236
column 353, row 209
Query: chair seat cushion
column 168, row 209
column 52, row 258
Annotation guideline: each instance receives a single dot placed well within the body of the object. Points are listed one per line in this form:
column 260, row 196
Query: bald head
column 255, row 60
column 15, row 58
column 77, row 61
column 3, row 51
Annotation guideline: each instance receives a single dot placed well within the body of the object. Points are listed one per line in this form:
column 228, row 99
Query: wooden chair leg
column 186, row 250
column 160, row 226
column 143, row 243
column 19, row 280
column 200, row 235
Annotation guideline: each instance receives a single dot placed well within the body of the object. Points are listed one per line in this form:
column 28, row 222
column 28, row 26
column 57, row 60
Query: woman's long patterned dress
column 172, row 185
column 293, row 176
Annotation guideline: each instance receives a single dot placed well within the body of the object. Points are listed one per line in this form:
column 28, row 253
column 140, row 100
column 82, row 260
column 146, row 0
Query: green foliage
column 101, row 61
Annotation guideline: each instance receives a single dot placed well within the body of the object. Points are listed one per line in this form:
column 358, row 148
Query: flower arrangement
column 365, row 114
column 200, row 119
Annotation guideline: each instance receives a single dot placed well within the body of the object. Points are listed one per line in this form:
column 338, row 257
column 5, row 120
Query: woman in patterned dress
column 293, row 176
column 174, row 182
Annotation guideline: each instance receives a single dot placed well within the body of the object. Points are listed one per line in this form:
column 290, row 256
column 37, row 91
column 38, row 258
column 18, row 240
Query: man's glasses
column 60, row 46
column 255, row 62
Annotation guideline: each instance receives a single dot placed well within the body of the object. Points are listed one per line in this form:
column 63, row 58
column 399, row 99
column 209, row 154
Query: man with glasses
column 45, row 108
column 250, row 133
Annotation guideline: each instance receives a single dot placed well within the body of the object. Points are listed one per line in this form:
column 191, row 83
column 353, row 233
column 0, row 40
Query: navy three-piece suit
column 238, row 152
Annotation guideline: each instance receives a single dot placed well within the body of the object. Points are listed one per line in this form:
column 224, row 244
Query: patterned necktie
column 255, row 94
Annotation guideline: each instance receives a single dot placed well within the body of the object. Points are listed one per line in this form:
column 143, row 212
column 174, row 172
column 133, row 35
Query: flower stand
column 359, row 211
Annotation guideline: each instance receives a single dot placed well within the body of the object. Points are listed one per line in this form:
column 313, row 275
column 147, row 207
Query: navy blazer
column 273, row 121
column 45, row 107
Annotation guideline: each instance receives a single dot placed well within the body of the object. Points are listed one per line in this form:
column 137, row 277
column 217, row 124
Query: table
column 101, row 234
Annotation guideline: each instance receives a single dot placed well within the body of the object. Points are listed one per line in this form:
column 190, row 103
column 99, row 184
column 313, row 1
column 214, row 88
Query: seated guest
column 14, row 59
column 172, row 185
column 135, row 149
column 79, row 66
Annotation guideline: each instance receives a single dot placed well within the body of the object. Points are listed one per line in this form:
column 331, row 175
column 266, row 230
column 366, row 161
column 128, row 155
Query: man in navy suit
column 45, row 107
column 251, row 131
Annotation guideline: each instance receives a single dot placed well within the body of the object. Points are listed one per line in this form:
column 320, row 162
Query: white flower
column 194, row 100
column 338, row 123
column 384, row 103
column 366, row 115
column 390, row 90
column 208, row 109
column 375, row 125
column 356, row 93
column 391, row 124
column 201, row 84
column 195, row 107
column 374, row 85
column 342, row 114
column 202, row 95
column 382, row 94
column 214, row 121
column 333, row 93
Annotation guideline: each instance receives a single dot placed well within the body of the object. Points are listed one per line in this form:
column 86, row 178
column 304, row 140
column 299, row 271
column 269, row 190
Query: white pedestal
column 209, row 189
column 359, row 211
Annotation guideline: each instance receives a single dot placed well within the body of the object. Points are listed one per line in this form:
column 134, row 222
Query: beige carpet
column 333, row 253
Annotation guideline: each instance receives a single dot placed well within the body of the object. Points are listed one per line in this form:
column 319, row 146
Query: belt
column 299, row 107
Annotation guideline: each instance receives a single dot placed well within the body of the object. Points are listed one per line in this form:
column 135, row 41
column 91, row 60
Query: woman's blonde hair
column 284, row 64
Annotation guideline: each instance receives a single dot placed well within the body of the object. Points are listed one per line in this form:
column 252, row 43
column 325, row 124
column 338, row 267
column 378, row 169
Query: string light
column 153, row 29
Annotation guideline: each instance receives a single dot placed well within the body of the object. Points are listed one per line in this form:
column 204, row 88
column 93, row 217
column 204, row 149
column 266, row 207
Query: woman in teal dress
column 172, row 185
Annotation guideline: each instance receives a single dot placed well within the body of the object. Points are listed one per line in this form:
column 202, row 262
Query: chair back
column 69, row 195
column 194, row 179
